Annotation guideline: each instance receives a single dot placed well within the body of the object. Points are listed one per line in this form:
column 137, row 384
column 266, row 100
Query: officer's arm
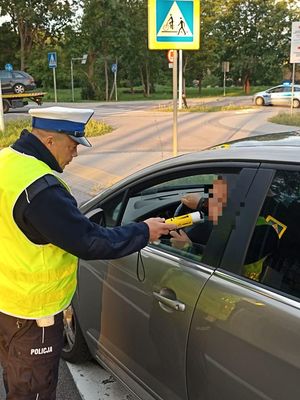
column 53, row 217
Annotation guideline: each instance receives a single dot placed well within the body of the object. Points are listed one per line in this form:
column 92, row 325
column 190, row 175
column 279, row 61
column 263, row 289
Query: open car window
column 165, row 199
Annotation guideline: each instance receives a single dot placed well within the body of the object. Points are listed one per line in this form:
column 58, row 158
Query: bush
column 210, row 81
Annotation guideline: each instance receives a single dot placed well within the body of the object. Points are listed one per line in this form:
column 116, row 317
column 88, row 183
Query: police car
column 279, row 95
column 219, row 318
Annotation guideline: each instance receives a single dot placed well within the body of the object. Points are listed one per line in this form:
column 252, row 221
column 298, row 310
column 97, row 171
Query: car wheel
column 75, row 349
column 19, row 88
column 296, row 103
column 259, row 101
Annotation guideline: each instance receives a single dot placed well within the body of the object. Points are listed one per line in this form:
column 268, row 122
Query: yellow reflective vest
column 35, row 280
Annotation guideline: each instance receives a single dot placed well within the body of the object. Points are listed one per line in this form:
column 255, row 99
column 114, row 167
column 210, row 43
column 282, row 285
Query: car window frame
column 216, row 242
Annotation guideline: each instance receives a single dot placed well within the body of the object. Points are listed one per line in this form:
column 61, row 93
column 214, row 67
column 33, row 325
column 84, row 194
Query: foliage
column 35, row 21
column 253, row 35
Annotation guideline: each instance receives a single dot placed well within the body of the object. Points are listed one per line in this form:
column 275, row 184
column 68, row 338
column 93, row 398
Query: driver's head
column 217, row 199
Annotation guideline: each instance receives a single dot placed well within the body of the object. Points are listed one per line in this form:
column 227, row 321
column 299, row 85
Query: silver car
column 279, row 95
column 219, row 318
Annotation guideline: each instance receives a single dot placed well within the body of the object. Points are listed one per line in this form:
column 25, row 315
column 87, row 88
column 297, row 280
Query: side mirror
column 96, row 216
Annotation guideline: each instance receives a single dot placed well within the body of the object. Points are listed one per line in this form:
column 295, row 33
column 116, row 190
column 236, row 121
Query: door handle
column 174, row 304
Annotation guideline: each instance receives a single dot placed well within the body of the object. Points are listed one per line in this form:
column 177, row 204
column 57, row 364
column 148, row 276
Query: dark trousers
column 30, row 357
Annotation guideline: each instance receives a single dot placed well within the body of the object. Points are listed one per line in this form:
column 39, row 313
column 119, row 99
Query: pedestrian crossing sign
column 174, row 24
column 52, row 60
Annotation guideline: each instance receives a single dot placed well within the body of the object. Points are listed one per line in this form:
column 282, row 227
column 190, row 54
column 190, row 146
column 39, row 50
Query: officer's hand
column 180, row 240
column 158, row 227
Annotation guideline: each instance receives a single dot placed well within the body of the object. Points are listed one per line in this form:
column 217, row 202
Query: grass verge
column 285, row 118
column 203, row 108
column 13, row 129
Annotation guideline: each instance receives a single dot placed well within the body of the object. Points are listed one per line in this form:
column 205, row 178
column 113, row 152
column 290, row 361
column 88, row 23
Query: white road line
column 94, row 383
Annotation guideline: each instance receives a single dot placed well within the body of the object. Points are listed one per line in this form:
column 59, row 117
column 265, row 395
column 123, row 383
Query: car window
column 112, row 208
column 205, row 193
column 18, row 75
column 5, row 75
column 273, row 256
column 277, row 90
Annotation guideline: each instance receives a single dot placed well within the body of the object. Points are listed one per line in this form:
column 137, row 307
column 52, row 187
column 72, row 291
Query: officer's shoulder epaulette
column 41, row 184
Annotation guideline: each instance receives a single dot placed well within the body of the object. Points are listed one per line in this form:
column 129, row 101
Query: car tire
column 75, row 349
column 296, row 103
column 259, row 101
column 19, row 88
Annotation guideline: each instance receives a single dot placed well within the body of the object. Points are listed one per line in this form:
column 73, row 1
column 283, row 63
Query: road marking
column 246, row 111
column 94, row 383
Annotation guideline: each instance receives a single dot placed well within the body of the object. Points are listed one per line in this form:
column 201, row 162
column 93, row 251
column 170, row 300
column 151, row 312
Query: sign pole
column 1, row 111
column 54, row 83
column 175, row 104
column 174, row 25
column 293, row 84
column 72, row 80
column 180, row 81
column 115, row 83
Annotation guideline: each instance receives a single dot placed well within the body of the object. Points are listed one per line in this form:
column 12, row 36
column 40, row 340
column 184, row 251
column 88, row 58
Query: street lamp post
column 83, row 61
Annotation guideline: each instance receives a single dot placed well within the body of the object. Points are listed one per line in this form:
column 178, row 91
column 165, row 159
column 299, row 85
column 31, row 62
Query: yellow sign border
column 152, row 42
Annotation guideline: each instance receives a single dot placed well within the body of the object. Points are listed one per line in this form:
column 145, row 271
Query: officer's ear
column 49, row 140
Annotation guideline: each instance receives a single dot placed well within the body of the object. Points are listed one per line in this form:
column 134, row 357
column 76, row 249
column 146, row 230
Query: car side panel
column 144, row 339
column 244, row 344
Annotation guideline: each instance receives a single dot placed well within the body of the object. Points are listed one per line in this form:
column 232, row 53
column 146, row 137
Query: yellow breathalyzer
column 185, row 220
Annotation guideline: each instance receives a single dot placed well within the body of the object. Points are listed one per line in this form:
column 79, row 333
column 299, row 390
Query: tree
column 254, row 36
column 7, row 35
column 35, row 20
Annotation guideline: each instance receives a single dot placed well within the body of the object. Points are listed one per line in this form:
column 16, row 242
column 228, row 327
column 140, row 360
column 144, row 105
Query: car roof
column 277, row 147
column 289, row 85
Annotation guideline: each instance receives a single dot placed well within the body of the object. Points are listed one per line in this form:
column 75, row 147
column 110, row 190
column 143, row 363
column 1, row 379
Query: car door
column 278, row 95
column 244, row 340
column 142, row 314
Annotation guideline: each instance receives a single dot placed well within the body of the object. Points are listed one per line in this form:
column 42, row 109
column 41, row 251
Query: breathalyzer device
column 185, row 220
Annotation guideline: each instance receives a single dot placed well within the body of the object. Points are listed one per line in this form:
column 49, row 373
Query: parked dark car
column 219, row 319
column 16, row 82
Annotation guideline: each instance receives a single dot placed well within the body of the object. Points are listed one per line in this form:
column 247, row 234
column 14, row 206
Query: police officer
column 41, row 237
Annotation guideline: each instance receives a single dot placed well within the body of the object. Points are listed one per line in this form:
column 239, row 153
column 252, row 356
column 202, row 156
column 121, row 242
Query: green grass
column 285, row 118
column 13, row 129
column 203, row 108
column 162, row 92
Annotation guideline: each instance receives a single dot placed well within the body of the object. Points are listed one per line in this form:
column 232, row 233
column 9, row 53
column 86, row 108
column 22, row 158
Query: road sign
column 8, row 67
column 114, row 68
column 174, row 24
column 52, row 60
column 225, row 66
column 84, row 59
column 295, row 43
column 170, row 56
